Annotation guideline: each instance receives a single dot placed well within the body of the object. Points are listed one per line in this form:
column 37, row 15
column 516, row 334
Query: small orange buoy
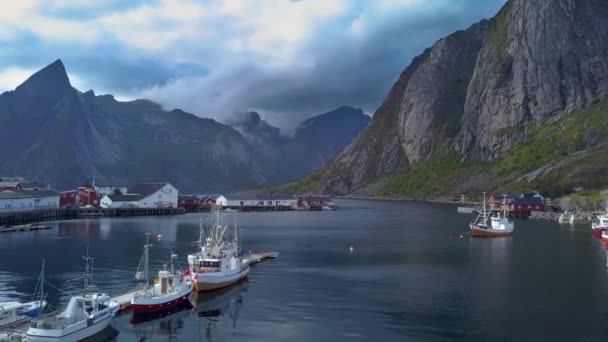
column 159, row 237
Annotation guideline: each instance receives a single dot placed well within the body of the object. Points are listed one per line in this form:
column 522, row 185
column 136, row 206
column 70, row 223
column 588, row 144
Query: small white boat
column 14, row 313
column 499, row 224
column 171, row 289
column 218, row 263
column 85, row 316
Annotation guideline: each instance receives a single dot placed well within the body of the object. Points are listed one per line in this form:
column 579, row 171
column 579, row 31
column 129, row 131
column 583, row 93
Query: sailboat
column 218, row 263
column 492, row 225
column 171, row 290
column 86, row 315
column 13, row 313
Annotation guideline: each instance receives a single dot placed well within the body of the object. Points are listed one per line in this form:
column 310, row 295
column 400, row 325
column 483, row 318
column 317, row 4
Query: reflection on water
column 405, row 280
column 222, row 305
column 168, row 326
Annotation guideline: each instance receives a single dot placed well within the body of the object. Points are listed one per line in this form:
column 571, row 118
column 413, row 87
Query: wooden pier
column 258, row 208
column 22, row 220
column 118, row 212
column 11, row 219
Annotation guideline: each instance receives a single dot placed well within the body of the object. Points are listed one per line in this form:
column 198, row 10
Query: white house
column 156, row 195
column 221, row 200
column 144, row 195
column 11, row 201
column 120, row 201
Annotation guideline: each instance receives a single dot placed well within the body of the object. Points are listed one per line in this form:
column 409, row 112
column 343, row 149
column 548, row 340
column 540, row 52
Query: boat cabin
column 208, row 265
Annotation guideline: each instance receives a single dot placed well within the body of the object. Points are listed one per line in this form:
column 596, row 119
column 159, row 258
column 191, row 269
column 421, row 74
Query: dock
column 24, row 228
column 256, row 257
column 124, row 300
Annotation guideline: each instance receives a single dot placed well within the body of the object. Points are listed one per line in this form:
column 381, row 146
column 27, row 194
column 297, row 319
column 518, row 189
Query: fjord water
column 406, row 279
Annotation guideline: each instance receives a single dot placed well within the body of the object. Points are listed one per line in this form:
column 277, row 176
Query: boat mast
column 146, row 257
column 39, row 291
column 484, row 206
column 236, row 237
column 87, row 272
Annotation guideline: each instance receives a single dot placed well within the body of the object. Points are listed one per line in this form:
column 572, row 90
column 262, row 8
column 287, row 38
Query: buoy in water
column 159, row 237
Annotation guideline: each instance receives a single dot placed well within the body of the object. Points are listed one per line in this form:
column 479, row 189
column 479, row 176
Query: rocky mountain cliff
column 54, row 133
column 478, row 95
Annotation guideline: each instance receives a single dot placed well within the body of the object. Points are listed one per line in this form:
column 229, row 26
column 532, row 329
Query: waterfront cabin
column 259, row 202
column 523, row 207
column 120, row 201
column 80, row 197
column 219, row 200
column 144, row 195
column 156, row 195
column 11, row 186
column 34, row 186
column 11, row 201
column 189, row 202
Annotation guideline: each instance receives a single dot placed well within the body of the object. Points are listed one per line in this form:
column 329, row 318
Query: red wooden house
column 11, row 185
column 189, row 202
column 81, row 197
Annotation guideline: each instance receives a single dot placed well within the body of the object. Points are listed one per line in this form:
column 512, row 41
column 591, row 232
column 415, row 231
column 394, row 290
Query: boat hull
column 155, row 308
column 597, row 232
column 478, row 231
column 72, row 334
column 209, row 282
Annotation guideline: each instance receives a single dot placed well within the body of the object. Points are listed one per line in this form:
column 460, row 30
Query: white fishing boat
column 14, row 313
column 492, row 225
column 86, row 315
column 218, row 263
column 170, row 290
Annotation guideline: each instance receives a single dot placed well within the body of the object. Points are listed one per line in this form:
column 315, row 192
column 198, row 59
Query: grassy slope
column 573, row 146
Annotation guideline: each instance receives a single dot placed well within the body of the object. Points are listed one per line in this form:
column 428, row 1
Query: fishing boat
column 600, row 224
column 492, row 225
column 170, row 290
column 85, row 315
column 14, row 313
column 218, row 262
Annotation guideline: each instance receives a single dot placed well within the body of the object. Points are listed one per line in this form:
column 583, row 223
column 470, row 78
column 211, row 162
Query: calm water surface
column 406, row 279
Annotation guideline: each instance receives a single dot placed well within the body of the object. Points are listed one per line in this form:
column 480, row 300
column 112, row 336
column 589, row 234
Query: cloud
column 286, row 59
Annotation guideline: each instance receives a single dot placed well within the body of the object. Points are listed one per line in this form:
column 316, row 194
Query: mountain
column 57, row 134
column 514, row 102
column 319, row 139
column 316, row 141
column 53, row 133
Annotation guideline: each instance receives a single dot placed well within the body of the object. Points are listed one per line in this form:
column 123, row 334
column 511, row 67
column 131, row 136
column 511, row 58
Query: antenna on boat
column 39, row 294
column 88, row 265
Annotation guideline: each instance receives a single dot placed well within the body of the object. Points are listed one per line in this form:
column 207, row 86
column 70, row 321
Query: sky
column 287, row 59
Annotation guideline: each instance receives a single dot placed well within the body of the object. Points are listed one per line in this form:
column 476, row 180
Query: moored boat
column 491, row 225
column 14, row 313
column 218, row 263
column 171, row 289
column 85, row 315
column 600, row 224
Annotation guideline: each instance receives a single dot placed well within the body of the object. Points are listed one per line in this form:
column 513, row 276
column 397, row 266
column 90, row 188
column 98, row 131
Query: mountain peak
column 52, row 77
